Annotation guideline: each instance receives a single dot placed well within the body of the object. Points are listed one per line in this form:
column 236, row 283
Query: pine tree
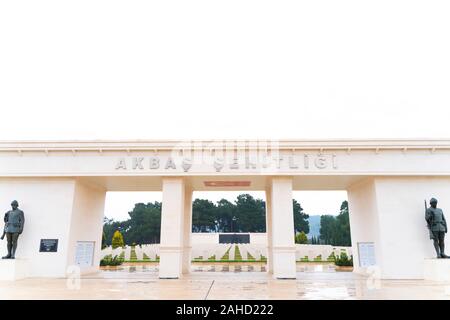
column 117, row 240
column 104, row 245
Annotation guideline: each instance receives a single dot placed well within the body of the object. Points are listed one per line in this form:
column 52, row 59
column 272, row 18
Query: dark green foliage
column 144, row 224
column 250, row 214
column 301, row 238
column 314, row 240
column 336, row 230
column 110, row 261
column 343, row 260
column 301, row 223
column 203, row 216
column 343, row 224
column 109, row 227
column 225, row 211
column 104, row 245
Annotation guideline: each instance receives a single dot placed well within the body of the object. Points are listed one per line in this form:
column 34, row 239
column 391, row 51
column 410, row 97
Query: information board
column 366, row 252
column 84, row 253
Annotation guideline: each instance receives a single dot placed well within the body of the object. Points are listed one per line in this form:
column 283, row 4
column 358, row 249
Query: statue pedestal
column 436, row 269
column 13, row 269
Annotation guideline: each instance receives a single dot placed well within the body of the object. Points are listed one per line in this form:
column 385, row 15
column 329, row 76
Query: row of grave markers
column 227, row 252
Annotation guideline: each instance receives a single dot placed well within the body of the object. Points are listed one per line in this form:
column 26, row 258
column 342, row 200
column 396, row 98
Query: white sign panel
column 366, row 252
column 84, row 254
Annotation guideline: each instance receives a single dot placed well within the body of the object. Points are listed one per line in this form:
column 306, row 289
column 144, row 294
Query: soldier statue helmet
column 437, row 226
column 14, row 221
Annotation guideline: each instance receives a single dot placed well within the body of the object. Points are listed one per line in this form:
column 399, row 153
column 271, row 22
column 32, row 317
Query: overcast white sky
column 109, row 69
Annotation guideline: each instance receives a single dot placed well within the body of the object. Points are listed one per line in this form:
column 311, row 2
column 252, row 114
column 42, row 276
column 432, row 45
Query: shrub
column 301, row 238
column 343, row 260
column 117, row 240
column 109, row 261
column 305, row 259
column 331, row 257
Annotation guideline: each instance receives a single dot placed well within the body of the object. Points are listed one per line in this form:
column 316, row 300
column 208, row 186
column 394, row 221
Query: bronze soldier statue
column 14, row 222
column 437, row 227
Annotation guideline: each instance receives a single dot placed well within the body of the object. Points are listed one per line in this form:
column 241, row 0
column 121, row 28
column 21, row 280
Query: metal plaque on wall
column 48, row 245
column 234, row 238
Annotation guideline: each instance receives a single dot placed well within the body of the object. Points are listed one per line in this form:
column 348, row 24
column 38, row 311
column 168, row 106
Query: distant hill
column 314, row 226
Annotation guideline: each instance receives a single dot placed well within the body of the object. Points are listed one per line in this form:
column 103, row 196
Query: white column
column 364, row 222
column 172, row 227
column 283, row 242
column 269, row 229
column 86, row 223
column 187, row 230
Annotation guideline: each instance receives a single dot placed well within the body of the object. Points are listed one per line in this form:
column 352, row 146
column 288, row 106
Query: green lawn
column 237, row 254
column 133, row 255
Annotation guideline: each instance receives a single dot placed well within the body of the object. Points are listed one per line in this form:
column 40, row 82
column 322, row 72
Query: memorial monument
column 14, row 222
column 75, row 177
column 437, row 227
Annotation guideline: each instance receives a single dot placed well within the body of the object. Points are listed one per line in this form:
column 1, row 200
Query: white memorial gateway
column 61, row 187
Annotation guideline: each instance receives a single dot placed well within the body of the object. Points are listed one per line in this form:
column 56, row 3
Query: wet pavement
column 222, row 281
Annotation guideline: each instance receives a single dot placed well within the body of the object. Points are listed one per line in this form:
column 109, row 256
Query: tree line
column 335, row 230
column 245, row 214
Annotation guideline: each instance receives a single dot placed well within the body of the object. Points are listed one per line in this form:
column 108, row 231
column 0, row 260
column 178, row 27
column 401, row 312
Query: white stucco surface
column 61, row 188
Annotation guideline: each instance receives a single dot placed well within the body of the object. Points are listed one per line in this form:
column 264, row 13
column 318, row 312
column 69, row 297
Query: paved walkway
column 141, row 282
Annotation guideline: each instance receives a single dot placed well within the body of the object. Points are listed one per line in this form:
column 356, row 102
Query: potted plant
column 343, row 262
